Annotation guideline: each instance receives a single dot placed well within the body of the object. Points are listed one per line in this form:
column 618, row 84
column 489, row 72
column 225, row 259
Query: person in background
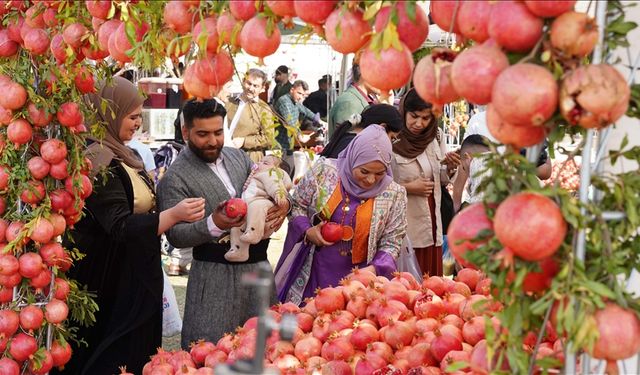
column 249, row 122
column 289, row 109
column 317, row 100
column 352, row 101
column 145, row 153
column 283, row 85
column 381, row 114
column 119, row 235
column 357, row 192
column 215, row 302
column 472, row 170
column 419, row 158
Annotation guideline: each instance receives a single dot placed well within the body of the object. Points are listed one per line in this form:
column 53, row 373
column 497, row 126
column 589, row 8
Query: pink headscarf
column 371, row 144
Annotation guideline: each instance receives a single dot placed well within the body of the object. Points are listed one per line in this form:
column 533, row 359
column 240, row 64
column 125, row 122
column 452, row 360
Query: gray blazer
column 189, row 177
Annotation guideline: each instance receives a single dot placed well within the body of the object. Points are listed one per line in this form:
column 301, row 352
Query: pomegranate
column 30, row 265
column 473, row 19
column 49, row 17
column 336, row 368
column 206, row 29
column 525, row 94
column 215, row 69
column 574, row 34
column 475, row 70
column 331, row 232
column 442, row 345
column 336, row 348
column 33, row 17
column 516, row 136
column 9, row 322
column 31, row 317
column 346, row 31
column 9, row 366
column 8, row 47
column 22, row 346
column 194, row 86
column 52, row 254
column 42, row 231
column 387, row 69
column 469, row 276
column 60, row 200
column 619, row 333
column 256, row 40
column 235, row 207
column 58, row 48
column 200, row 350
column 177, row 16
column 61, row 289
column 19, row 132
column 36, row 41
column 84, row 81
column 314, row 12
column 228, row 28
column 432, row 77
column 73, row 34
column 429, row 306
column 442, row 13
column 99, row 8
column 307, row 347
column 594, row 96
column 531, row 225
column 412, row 31
column 79, row 184
column 38, row 167
column 105, row 31
column 329, row 300
column 69, row 114
column 474, row 330
column 13, row 97
column 53, row 151
column 514, row 27
column 38, row 117
column 8, row 263
column 33, row 193
column 56, row 311
column 60, row 353
column 242, row 9
column 397, row 334
column 468, row 224
column 13, row 29
column 536, row 282
column 549, row 9
column 122, row 42
column 363, row 335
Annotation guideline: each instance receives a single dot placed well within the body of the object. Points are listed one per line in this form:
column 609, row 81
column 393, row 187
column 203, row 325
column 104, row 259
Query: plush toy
column 266, row 184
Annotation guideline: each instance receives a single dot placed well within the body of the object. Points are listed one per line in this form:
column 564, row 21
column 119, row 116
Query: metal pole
column 585, row 179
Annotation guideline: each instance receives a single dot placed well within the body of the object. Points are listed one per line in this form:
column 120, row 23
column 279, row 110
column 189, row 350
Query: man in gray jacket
column 215, row 302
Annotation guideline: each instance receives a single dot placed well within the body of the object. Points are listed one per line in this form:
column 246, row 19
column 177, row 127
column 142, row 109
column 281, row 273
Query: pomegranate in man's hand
column 331, row 232
column 235, row 207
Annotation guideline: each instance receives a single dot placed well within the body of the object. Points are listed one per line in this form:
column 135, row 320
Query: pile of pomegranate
column 370, row 325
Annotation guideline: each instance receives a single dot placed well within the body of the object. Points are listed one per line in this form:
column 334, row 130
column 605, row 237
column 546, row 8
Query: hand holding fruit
column 189, row 210
column 314, row 235
column 221, row 217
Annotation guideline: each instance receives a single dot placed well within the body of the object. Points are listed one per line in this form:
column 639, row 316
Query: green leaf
column 599, row 288
column 372, row 10
column 455, row 366
column 622, row 27
column 411, row 10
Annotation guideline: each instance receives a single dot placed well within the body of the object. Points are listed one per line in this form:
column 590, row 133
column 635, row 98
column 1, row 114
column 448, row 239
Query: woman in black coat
column 120, row 235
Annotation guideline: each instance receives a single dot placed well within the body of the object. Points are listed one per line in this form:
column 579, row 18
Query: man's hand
column 224, row 222
column 451, row 160
column 277, row 214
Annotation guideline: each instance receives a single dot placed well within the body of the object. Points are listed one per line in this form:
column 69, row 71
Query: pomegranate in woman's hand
column 331, row 232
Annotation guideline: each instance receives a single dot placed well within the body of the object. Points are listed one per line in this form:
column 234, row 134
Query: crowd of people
column 382, row 177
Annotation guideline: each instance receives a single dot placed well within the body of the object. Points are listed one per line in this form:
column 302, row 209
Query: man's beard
column 207, row 157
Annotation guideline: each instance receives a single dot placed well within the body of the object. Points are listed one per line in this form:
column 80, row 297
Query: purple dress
column 329, row 264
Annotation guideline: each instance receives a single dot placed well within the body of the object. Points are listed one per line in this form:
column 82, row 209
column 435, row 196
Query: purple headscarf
column 371, row 144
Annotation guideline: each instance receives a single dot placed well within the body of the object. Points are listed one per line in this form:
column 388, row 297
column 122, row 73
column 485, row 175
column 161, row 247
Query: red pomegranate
column 412, row 31
column 256, row 41
column 105, row 31
column 69, row 114
column 442, row 13
column 215, row 69
column 99, row 8
column 432, row 77
column 331, row 232
column 122, row 42
column 619, row 333
column 207, row 28
column 73, row 34
column 36, row 41
column 346, row 31
column 473, row 19
column 49, row 17
column 84, row 81
column 38, row 117
column 13, row 29
column 314, row 12
column 33, row 17
column 61, row 353
column 242, row 9
column 58, row 48
column 282, row 8
column 514, row 27
column 536, row 282
column 531, row 225
column 115, row 52
column 14, row 96
column 8, row 47
column 594, row 96
column 178, row 16
column 516, row 136
column 464, row 227
column 19, row 132
column 549, row 9
column 525, row 94
column 387, row 69
column 475, row 70
column 228, row 28
column 574, row 34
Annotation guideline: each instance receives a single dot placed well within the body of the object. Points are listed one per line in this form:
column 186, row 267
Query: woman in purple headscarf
column 357, row 192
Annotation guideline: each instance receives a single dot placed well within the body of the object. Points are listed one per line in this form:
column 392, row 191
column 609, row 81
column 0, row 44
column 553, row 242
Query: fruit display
column 372, row 325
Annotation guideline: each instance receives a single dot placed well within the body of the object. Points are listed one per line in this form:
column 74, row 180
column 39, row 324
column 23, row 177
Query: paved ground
column 180, row 282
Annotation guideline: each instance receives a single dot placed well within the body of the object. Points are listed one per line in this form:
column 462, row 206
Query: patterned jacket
column 389, row 221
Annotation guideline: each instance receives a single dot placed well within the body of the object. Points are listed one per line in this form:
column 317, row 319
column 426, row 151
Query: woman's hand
column 188, row 210
column 451, row 160
column 422, row 186
column 315, row 237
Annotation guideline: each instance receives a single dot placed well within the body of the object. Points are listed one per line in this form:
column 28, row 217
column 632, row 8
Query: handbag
column 171, row 320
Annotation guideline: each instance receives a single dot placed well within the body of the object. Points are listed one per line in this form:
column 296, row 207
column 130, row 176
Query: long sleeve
column 395, row 227
column 306, row 111
column 265, row 135
column 287, row 111
column 110, row 208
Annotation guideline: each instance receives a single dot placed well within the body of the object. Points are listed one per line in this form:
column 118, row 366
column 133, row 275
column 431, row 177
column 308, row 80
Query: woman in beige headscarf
column 120, row 235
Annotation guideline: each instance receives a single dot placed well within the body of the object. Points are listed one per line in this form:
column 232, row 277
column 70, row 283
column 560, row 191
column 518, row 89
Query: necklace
column 347, row 228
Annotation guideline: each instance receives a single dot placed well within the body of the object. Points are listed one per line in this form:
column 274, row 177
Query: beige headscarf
column 122, row 98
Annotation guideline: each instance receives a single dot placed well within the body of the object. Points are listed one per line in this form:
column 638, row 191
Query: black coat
column 123, row 267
